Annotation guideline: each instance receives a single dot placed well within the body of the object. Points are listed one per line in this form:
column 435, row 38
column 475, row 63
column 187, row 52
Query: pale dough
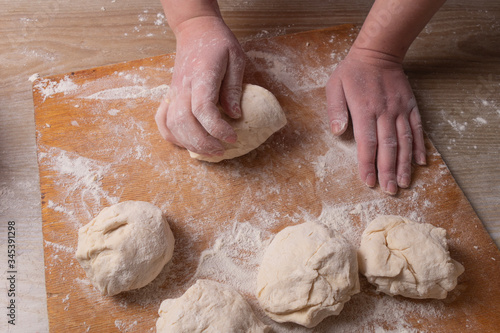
column 261, row 116
column 208, row 307
column 125, row 246
column 307, row 274
column 402, row 257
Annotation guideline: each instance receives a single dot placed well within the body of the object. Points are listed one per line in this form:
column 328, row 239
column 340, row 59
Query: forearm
column 392, row 25
column 179, row 11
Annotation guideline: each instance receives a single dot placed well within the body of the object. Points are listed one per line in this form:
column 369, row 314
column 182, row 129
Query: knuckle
column 366, row 166
column 389, row 142
column 406, row 137
column 174, row 121
column 204, row 113
column 371, row 141
column 386, row 170
column 199, row 109
column 418, row 127
column 232, row 93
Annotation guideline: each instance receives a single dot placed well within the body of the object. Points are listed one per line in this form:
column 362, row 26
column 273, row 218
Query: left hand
column 373, row 88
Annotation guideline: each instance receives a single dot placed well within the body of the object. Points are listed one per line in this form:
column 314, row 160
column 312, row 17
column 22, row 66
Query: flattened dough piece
column 262, row 115
column 307, row 273
column 403, row 257
column 125, row 246
column 207, row 307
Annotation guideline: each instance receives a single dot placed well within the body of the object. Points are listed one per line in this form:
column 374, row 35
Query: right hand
column 208, row 71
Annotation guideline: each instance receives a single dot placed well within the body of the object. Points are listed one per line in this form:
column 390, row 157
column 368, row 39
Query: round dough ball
column 307, row 274
column 208, row 307
column 261, row 116
column 402, row 257
column 125, row 247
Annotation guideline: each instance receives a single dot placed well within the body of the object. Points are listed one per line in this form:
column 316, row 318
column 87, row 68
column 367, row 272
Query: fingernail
column 236, row 112
column 336, row 126
column 421, row 159
column 404, row 180
column 371, row 180
column 233, row 111
column 391, row 188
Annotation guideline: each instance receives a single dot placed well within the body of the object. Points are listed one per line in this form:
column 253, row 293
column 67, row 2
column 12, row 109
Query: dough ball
column 125, row 247
column 261, row 116
column 402, row 257
column 208, row 307
column 307, row 274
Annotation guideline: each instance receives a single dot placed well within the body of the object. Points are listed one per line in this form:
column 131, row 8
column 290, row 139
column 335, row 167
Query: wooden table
column 453, row 66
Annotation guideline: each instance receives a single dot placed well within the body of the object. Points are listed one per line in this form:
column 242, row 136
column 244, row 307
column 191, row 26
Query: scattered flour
column 335, row 159
column 480, row 121
column 34, row 77
column 126, row 326
column 236, row 250
column 86, row 172
column 65, row 299
column 60, row 247
column 160, row 19
column 234, row 257
column 48, row 87
column 460, row 128
column 130, row 92
column 79, row 176
column 134, row 78
column 292, row 77
column 236, row 254
column 59, row 208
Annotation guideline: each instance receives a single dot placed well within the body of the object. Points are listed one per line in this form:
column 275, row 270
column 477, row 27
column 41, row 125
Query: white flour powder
column 235, row 256
column 234, row 252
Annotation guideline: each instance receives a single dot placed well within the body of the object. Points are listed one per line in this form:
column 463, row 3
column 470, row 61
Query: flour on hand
column 125, row 247
column 261, row 117
column 402, row 257
column 307, row 274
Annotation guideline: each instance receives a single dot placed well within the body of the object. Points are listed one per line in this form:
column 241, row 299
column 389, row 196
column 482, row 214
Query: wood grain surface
column 98, row 145
column 454, row 67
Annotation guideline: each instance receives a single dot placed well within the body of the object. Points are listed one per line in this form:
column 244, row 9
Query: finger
column 419, row 151
column 404, row 151
column 161, row 122
column 336, row 107
column 209, row 117
column 205, row 96
column 188, row 131
column 387, row 154
column 365, row 133
column 231, row 88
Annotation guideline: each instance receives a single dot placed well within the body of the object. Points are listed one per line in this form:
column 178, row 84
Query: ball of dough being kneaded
column 402, row 257
column 262, row 115
column 125, row 246
column 208, row 307
column 307, row 274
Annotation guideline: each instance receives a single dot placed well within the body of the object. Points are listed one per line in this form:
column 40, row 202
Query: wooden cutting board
column 98, row 145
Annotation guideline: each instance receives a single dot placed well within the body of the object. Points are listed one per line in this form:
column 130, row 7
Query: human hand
column 373, row 88
column 208, row 70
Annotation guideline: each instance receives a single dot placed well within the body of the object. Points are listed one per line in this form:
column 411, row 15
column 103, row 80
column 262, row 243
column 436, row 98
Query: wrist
column 180, row 13
column 375, row 56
